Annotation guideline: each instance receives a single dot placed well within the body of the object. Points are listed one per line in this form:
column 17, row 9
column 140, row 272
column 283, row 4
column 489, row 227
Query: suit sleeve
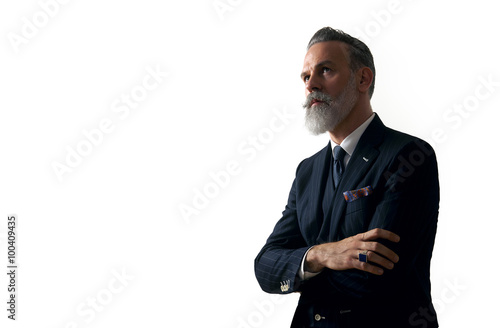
column 408, row 206
column 278, row 263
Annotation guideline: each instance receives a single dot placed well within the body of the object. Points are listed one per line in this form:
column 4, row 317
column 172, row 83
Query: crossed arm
column 343, row 255
column 403, row 225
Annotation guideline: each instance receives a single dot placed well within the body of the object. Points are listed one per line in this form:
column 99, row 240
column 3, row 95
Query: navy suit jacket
column 402, row 172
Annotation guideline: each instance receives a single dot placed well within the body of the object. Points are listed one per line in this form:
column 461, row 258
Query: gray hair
column 359, row 53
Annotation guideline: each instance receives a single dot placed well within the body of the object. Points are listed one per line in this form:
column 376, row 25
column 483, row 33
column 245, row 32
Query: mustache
column 317, row 95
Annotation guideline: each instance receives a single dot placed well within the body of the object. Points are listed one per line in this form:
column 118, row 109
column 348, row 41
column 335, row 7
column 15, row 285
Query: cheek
column 335, row 89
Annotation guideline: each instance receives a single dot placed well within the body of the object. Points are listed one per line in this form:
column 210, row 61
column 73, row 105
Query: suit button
column 317, row 317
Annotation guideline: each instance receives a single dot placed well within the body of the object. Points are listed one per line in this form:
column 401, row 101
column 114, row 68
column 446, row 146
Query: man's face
column 330, row 86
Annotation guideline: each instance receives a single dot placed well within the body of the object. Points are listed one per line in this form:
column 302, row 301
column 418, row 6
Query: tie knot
column 338, row 153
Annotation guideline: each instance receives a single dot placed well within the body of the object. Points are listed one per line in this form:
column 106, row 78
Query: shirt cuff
column 305, row 275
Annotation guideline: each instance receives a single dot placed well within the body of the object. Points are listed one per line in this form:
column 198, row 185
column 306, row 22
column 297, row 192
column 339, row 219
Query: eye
column 306, row 78
column 326, row 69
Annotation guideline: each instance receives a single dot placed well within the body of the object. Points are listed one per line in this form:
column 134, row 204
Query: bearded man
column 357, row 234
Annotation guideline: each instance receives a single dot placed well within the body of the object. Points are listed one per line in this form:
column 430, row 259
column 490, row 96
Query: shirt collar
column 351, row 141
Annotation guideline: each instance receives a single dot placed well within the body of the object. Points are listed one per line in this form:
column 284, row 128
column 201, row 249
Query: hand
column 343, row 255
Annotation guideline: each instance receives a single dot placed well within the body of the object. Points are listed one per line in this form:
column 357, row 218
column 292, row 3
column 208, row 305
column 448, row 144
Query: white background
column 229, row 71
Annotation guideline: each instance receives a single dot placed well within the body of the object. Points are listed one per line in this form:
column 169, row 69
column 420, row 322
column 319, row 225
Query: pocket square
column 352, row 195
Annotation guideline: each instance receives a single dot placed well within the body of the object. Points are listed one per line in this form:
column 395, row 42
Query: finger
column 378, row 233
column 365, row 266
column 380, row 249
column 380, row 260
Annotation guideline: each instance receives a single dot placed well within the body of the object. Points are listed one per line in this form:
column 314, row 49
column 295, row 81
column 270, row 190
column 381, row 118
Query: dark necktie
column 338, row 164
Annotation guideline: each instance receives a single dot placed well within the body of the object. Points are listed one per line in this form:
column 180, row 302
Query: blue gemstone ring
column 363, row 256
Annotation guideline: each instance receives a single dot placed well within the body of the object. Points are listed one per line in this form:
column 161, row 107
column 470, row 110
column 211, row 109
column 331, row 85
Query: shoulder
column 397, row 142
column 391, row 142
column 318, row 159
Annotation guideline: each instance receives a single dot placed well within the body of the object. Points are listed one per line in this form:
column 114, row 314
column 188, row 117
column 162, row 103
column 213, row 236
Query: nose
column 313, row 84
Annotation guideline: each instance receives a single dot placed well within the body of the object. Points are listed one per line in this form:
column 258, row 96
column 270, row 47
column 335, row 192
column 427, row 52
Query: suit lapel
column 319, row 179
column 362, row 159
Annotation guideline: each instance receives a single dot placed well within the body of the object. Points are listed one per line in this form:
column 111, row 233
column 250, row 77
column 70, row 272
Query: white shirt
column 348, row 144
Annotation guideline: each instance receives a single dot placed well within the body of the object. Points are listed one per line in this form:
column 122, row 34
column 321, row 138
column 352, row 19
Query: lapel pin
column 365, row 159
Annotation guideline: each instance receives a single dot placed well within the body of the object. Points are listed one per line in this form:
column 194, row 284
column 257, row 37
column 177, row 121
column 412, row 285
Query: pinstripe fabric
column 402, row 172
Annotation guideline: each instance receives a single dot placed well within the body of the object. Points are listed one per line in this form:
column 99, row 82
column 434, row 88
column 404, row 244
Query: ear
column 365, row 76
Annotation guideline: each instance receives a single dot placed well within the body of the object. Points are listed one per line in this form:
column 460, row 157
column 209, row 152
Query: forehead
column 333, row 51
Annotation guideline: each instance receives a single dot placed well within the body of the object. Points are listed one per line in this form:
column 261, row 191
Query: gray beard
column 327, row 116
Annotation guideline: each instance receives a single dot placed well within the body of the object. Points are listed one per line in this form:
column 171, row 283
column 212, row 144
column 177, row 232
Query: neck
column 357, row 116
